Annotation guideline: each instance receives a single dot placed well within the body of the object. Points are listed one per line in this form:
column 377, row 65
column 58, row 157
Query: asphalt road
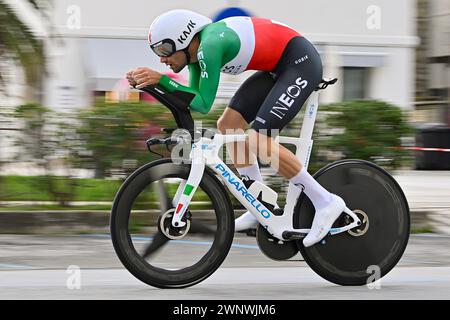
column 36, row 267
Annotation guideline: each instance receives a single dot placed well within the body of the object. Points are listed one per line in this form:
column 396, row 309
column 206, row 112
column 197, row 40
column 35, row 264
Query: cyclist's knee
column 225, row 125
column 230, row 121
column 222, row 125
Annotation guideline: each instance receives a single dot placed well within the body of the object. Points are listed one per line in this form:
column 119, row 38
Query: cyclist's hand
column 145, row 76
column 130, row 79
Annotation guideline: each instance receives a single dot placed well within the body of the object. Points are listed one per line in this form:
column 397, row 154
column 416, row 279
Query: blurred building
column 369, row 45
column 433, row 62
column 432, row 106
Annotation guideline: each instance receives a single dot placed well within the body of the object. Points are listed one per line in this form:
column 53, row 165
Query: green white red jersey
column 232, row 45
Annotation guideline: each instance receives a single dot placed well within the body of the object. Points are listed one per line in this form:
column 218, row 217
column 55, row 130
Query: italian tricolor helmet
column 174, row 30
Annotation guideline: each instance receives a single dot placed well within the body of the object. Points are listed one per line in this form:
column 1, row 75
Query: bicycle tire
column 122, row 242
column 345, row 259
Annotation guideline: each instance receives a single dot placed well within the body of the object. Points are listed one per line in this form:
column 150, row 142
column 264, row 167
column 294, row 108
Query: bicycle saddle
column 325, row 83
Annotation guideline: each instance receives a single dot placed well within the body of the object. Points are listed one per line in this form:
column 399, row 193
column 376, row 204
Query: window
column 356, row 83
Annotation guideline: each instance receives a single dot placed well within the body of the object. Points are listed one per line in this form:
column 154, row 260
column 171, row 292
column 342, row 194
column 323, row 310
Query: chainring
column 274, row 248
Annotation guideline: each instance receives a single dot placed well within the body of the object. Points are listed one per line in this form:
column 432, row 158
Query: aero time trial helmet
column 174, row 30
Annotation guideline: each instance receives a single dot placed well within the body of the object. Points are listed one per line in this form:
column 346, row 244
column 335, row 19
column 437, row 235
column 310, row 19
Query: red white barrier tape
column 424, row 149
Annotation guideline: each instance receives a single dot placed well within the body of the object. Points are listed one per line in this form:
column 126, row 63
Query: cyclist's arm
column 194, row 75
column 203, row 82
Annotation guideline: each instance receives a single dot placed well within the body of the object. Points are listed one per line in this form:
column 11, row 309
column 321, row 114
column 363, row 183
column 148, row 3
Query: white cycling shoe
column 244, row 222
column 323, row 221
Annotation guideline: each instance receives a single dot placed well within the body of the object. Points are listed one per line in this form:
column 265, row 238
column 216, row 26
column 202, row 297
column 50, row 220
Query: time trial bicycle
column 187, row 237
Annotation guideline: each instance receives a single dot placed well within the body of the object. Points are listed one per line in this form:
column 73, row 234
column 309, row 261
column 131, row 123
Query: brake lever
column 167, row 142
column 154, row 152
column 154, row 141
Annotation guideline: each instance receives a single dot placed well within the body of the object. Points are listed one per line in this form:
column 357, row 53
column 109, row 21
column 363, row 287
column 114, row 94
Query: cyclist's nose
column 163, row 59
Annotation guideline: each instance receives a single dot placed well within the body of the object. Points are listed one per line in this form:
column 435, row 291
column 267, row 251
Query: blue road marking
column 15, row 266
column 202, row 243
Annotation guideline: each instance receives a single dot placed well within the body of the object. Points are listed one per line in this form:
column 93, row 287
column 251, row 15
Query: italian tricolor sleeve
column 203, row 80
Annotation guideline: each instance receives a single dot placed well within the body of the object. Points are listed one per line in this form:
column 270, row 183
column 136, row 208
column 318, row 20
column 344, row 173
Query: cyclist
column 288, row 70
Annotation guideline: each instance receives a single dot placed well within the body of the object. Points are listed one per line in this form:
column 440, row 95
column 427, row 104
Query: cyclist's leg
column 298, row 77
column 241, row 111
column 233, row 122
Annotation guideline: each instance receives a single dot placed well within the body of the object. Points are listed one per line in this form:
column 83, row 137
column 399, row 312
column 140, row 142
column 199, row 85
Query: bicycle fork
column 186, row 191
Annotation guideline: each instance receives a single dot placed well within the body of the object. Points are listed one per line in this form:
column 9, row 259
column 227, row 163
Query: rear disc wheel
column 378, row 243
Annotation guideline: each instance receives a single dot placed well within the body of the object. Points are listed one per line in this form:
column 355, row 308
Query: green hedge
column 103, row 136
column 361, row 129
column 20, row 188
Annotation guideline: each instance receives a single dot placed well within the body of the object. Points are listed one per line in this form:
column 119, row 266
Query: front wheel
column 146, row 243
column 375, row 247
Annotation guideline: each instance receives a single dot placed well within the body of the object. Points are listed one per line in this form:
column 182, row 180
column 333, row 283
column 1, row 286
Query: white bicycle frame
column 205, row 153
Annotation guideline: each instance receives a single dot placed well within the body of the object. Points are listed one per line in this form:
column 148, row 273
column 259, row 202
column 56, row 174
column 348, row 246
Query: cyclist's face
column 176, row 62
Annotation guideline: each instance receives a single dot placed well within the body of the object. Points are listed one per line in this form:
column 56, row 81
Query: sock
column 318, row 195
column 252, row 172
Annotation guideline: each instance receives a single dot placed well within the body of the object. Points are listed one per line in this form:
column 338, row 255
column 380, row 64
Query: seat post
column 303, row 144
column 306, row 132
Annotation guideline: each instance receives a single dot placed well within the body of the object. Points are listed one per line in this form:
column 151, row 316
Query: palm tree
column 19, row 44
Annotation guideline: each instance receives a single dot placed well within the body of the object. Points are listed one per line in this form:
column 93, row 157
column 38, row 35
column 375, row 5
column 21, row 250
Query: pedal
column 251, row 232
column 278, row 211
column 292, row 235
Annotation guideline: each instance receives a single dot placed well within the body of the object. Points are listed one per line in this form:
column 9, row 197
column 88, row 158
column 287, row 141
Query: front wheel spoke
column 164, row 200
column 159, row 240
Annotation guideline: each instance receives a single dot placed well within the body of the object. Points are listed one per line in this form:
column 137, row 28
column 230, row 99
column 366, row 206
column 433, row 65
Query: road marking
column 203, row 243
column 15, row 266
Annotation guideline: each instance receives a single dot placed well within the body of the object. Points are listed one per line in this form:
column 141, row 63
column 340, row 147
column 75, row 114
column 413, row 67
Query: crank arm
column 356, row 222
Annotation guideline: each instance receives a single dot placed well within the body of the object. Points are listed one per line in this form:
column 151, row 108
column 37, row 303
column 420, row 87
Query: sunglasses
column 164, row 48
